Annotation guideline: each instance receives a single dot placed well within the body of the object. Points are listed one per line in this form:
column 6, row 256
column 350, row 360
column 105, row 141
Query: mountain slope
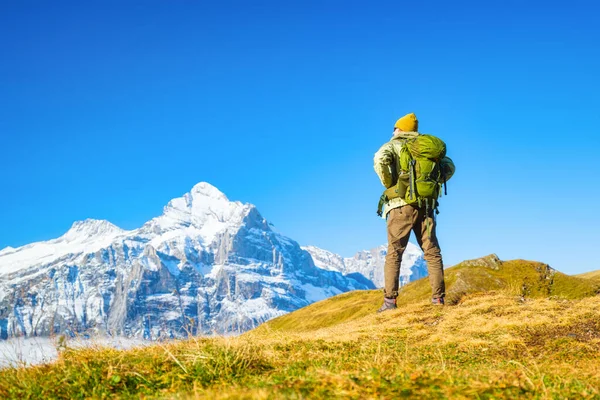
column 83, row 237
column 590, row 275
column 526, row 279
column 205, row 265
column 520, row 341
column 370, row 263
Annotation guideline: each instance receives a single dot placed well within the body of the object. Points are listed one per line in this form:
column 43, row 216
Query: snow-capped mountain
column 370, row 263
column 206, row 265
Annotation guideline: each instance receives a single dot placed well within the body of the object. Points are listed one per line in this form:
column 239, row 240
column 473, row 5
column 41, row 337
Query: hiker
column 408, row 205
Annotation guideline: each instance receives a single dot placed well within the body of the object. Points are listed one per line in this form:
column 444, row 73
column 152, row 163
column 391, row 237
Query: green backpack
column 423, row 170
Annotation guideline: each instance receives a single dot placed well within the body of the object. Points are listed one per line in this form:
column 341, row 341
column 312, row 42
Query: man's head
column 408, row 123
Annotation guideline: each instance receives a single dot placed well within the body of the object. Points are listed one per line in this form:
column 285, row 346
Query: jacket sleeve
column 382, row 162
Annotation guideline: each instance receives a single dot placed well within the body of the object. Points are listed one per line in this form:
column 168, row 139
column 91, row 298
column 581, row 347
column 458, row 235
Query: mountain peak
column 204, row 199
column 205, row 189
column 92, row 228
column 84, row 237
column 203, row 212
column 7, row 249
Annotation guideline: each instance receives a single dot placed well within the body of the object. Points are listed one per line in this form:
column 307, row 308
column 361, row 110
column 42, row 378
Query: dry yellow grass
column 489, row 345
column 590, row 275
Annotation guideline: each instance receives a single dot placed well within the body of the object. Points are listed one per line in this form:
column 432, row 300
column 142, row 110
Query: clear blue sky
column 109, row 109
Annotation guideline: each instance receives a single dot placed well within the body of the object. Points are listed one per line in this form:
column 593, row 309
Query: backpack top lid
column 427, row 146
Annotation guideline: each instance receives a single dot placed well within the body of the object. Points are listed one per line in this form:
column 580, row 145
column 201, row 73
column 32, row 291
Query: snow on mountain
column 205, row 265
column 370, row 263
column 202, row 213
column 83, row 237
column 7, row 249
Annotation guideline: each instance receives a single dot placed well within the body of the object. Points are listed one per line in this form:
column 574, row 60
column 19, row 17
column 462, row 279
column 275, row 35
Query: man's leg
column 399, row 225
column 424, row 229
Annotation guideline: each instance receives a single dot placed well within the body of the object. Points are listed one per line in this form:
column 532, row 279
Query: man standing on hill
column 402, row 218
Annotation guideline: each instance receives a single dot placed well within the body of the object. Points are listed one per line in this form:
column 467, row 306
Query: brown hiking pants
column 400, row 222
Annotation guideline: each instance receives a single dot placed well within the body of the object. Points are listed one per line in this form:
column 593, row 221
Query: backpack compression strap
column 382, row 200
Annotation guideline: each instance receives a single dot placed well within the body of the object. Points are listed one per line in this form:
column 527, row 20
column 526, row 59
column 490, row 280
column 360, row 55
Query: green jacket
column 387, row 164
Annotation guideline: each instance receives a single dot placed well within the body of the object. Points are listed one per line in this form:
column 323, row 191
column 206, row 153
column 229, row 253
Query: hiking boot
column 439, row 301
column 388, row 304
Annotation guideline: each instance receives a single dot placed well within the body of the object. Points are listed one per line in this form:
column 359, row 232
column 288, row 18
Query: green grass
column 518, row 331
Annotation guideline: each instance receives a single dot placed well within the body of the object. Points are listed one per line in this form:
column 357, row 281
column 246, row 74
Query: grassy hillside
column 590, row 275
column 526, row 279
column 515, row 330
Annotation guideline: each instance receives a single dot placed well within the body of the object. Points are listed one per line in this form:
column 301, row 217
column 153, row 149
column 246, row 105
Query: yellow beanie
column 408, row 123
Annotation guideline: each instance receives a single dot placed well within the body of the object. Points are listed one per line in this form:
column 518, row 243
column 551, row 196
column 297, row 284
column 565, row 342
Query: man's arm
column 382, row 162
